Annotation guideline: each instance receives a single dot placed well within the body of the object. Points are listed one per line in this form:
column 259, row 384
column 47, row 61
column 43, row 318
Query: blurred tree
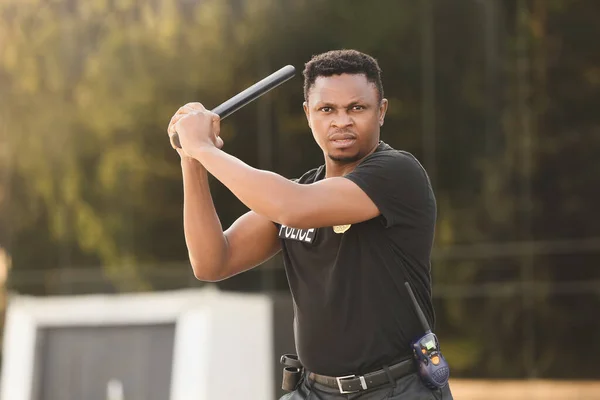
column 513, row 114
column 89, row 87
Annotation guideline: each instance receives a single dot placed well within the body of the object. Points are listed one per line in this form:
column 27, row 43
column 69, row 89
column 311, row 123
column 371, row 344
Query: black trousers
column 408, row 387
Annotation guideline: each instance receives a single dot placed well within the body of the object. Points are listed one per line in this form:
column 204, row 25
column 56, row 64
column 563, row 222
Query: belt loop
column 309, row 382
column 389, row 375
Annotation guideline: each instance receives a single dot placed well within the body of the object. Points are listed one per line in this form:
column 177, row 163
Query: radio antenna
column 418, row 309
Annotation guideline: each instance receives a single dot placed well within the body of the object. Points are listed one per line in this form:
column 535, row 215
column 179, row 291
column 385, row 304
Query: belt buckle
column 339, row 380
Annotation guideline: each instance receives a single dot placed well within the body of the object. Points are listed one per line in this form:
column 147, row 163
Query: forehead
column 342, row 89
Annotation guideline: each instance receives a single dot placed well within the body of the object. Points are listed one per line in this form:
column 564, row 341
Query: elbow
column 211, row 267
column 204, row 277
column 205, row 273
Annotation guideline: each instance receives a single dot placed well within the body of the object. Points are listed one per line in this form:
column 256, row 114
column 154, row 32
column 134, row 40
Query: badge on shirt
column 341, row 228
column 301, row 235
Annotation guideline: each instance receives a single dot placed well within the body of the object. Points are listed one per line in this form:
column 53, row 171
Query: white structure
column 222, row 341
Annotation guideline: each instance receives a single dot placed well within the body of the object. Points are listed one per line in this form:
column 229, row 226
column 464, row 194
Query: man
column 352, row 232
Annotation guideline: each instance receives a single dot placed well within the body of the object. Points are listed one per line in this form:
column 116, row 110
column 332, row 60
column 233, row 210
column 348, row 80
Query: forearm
column 264, row 192
column 204, row 237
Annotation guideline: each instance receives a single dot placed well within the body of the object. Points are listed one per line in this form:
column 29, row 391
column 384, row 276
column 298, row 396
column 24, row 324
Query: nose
column 341, row 120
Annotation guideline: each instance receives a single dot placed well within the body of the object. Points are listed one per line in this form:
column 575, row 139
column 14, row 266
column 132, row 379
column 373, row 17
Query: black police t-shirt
column 353, row 314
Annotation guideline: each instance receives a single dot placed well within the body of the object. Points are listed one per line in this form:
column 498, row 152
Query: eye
column 358, row 108
column 325, row 109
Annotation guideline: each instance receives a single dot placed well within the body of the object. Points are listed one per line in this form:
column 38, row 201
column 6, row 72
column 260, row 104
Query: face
column 345, row 115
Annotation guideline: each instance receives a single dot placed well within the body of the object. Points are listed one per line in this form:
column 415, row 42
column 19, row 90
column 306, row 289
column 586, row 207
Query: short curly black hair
column 337, row 62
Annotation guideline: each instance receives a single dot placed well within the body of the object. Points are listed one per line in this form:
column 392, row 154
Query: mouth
column 341, row 141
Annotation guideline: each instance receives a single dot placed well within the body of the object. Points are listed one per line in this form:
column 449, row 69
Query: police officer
column 352, row 231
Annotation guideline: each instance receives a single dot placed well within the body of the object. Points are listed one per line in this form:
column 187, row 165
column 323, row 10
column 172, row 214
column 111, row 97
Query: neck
column 334, row 168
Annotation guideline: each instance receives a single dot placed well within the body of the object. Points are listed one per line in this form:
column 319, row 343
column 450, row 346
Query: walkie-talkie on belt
column 433, row 368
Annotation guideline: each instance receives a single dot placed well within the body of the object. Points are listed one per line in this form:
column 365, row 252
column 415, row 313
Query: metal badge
column 341, row 228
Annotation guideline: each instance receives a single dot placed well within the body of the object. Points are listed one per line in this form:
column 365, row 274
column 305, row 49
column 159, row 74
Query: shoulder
column 393, row 161
column 391, row 171
column 396, row 183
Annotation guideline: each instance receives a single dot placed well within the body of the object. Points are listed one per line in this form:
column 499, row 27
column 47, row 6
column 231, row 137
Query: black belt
column 354, row 383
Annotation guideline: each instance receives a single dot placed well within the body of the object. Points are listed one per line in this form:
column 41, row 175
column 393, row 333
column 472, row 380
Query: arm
column 333, row 201
column 214, row 254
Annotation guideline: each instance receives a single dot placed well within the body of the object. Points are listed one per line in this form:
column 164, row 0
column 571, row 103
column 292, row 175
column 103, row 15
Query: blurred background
column 499, row 99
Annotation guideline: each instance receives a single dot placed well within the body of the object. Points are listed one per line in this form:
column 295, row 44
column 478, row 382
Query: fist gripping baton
column 252, row 93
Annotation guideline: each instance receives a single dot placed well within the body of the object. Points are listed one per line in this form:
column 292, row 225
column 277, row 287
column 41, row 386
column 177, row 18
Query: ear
column 306, row 112
column 383, row 106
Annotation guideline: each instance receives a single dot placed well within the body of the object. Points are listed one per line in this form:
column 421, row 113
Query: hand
column 196, row 127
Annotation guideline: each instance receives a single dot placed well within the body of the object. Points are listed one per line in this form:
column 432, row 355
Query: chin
column 344, row 157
